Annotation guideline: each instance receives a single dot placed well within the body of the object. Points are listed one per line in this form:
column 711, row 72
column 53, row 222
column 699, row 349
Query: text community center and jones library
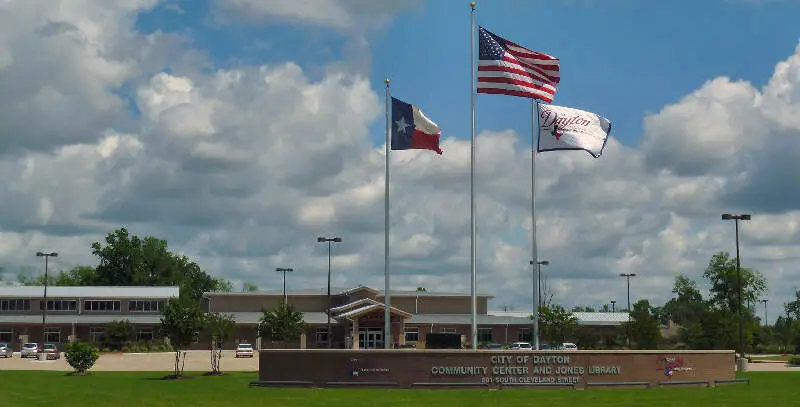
column 356, row 318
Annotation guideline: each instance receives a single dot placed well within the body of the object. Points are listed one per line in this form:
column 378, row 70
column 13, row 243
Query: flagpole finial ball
column 387, row 81
column 472, row 4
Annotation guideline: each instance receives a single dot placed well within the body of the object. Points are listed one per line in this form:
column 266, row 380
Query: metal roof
column 344, row 291
column 149, row 319
column 601, row 318
column 149, row 292
column 252, row 318
column 584, row 318
column 466, row 319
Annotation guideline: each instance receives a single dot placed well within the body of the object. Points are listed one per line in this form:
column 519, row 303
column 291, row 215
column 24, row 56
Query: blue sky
column 619, row 58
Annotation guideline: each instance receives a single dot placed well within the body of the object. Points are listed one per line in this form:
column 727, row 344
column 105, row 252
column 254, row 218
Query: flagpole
column 387, row 324
column 535, row 262
column 473, row 256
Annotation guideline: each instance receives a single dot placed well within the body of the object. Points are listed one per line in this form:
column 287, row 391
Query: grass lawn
column 783, row 358
column 121, row 389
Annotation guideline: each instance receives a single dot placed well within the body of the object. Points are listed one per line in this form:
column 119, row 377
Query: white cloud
column 242, row 169
column 351, row 15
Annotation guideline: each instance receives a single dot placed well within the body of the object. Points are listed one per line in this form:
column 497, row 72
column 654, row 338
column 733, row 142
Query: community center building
column 356, row 315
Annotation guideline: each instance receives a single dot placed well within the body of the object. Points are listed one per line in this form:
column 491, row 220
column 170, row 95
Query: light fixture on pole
column 329, row 241
column 766, row 319
column 613, row 306
column 284, row 271
column 736, row 219
column 47, row 256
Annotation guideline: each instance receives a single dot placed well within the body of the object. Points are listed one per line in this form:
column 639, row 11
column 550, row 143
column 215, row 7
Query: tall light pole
column 628, row 277
column 47, row 256
column 766, row 318
column 736, row 219
column 284, row 271
column 613, row 306
column 538, row 288
column 329, row 241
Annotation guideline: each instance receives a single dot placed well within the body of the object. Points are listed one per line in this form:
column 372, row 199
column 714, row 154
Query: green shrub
column 106, row 350
column 125, row 349
column 794, row 360
column 81, row 356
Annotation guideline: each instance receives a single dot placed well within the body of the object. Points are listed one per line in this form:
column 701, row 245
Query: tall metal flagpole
column 387, row 316
column 536, row 271
column 473, row 256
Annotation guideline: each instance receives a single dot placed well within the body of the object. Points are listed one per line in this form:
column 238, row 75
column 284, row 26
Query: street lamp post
column 628, row 277
column 736, row 219
column 537, row 282
column 766, row 317
column 613, row 306
column 284, row 271
column 47, row 256
column 329, row 241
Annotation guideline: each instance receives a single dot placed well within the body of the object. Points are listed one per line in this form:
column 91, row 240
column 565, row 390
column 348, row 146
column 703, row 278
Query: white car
column 521, row 346
column 244, row 350
column 568, row 346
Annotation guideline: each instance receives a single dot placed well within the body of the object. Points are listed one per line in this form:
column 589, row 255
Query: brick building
column 78, row 312
column 357, row 315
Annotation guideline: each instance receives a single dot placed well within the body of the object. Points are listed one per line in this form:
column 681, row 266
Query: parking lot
column 161, row 362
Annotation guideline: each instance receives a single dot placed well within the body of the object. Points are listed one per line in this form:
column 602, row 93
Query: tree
column 643, row 327
column 220, row 327
column 556, row 323
column 126, row 259
column 421, row 289
column 582, row 308
column 118, row 333
column 182, row 321
column 248, row 287
column 283, row 324
column 76, row 276
column 81, row 356
column 721, row 274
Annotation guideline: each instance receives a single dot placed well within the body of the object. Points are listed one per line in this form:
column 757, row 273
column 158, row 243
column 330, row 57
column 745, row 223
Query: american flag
column 509, row 69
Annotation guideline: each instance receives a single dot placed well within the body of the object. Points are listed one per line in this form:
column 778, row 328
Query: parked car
column 568, row 346
column 52, row 351
column 29, row 350
column 244, row 350
column 6, row 351
column 521, row 346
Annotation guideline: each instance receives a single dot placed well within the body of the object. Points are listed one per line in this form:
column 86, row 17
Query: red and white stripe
column 521, row 72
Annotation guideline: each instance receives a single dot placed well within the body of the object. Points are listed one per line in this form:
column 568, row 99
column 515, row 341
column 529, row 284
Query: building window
column 412, row 335
column 321, row 336
column 145, row 335
column 15, row 305
column 449, row 331
column 97, row 334
column 52, row 335
column 145, row 305
column 6, row 335
column 524, row 335
column 61, row 305
column 101, row 305
column 485, row 334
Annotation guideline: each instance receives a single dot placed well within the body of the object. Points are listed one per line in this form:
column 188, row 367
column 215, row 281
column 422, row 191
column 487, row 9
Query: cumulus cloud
column 242, row 168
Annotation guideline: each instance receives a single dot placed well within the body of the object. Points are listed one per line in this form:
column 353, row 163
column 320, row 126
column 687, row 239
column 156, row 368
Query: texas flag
column 412, row 130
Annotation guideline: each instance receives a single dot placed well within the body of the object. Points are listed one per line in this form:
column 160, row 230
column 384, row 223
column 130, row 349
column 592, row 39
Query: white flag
column 565, row 128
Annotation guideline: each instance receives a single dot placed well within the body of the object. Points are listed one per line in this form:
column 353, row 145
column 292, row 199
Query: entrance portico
column 364, row 324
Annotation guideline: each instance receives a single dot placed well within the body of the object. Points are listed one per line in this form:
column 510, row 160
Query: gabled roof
column 360, row 307
column 89, row 292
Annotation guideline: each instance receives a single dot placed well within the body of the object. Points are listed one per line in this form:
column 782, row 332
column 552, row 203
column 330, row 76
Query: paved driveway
column 161, row 362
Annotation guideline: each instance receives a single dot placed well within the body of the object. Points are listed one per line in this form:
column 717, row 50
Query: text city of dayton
column 505, row 368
